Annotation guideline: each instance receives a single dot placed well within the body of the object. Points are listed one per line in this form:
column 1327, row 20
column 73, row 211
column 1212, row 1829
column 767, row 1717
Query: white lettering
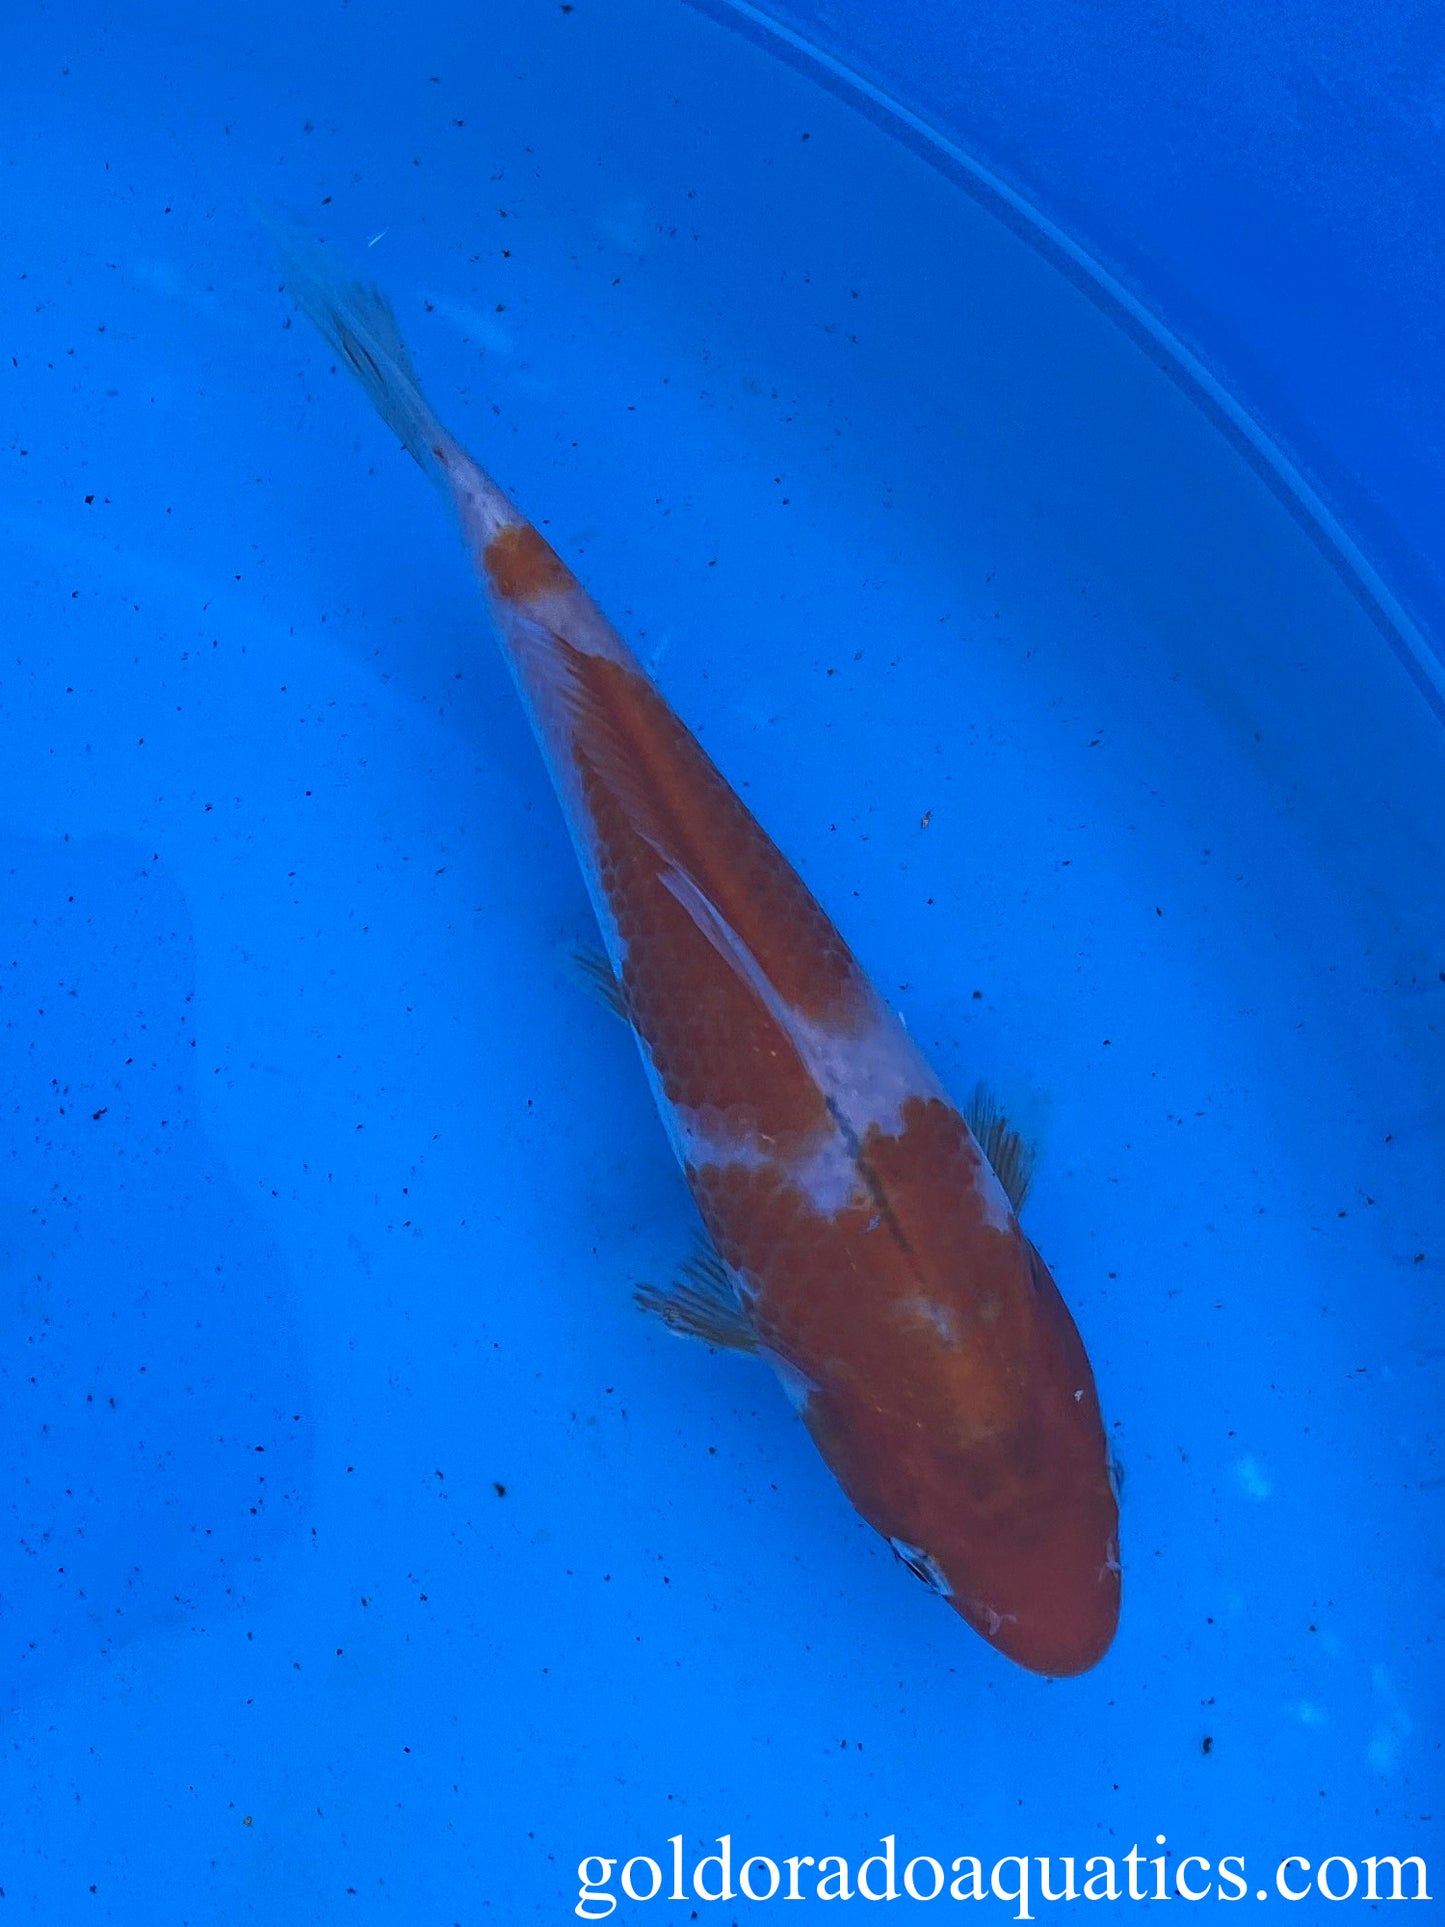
column 745, row 1879
column 1281, row 1886
column 593, row 1890
column 1021, row 1892
column 724, row 1863
column 1336, row 1860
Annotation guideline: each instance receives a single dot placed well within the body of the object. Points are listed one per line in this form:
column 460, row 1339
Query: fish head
column 979, row 1453
column 943, row 1380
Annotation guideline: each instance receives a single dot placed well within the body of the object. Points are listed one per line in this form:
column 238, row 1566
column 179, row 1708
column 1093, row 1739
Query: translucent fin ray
column 594, row 967
column 1011, row 1155
column 702, row 1302
column 357, row 323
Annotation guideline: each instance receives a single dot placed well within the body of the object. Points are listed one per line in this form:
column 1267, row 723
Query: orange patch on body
column 521, row 566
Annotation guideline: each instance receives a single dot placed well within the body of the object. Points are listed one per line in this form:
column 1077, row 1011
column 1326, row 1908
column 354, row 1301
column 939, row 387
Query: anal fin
column 702, row 1302
column 1011, row 1155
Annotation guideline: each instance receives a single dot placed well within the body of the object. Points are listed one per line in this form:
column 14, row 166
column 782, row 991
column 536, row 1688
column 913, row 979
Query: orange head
column 947, row 1387
column 1004, row 1505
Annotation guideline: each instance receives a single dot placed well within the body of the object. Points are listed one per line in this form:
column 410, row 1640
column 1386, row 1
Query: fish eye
column 923, row 1566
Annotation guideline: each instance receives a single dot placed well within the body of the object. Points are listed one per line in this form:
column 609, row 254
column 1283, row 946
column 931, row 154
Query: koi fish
column 865, row 1237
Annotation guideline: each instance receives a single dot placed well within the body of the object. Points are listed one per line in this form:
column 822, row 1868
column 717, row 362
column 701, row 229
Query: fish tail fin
column 357, row 322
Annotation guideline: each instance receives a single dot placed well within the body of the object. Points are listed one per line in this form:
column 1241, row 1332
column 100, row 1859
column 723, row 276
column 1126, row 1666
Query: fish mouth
column 1058, row 1625
column 1053, row 1653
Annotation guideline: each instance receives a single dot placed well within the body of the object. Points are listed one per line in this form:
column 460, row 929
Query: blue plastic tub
column 367, row 1554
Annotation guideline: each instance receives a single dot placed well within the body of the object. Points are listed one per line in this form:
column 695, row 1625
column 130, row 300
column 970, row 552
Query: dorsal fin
column 1011, row 1155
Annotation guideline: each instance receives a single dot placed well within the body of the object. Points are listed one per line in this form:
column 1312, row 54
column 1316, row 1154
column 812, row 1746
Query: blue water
column 366, row 1554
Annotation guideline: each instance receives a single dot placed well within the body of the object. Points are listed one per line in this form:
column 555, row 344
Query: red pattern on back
column 656, row 800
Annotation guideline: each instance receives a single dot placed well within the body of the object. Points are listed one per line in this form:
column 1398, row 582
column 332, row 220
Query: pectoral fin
column 702, row 1302
column 595, row 969
column 1011, row 1155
